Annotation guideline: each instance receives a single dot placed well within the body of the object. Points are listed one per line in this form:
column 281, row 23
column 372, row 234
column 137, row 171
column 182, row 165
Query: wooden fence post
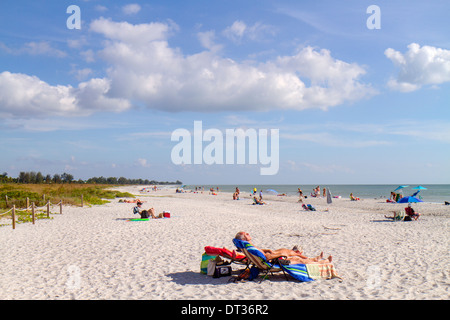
column 60, row 207
column 48, row 209
column 28, row 203
column 33, row 215
column 6, row 199
column 14, row 216
column 82, row 201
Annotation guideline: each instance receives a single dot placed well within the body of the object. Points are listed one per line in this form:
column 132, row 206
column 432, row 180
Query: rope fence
column 32, row 207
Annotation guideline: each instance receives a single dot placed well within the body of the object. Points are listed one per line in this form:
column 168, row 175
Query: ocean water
column 436, row 193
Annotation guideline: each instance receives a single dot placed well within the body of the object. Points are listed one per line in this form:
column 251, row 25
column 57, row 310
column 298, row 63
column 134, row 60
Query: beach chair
column 399, row 215
column 258, row 259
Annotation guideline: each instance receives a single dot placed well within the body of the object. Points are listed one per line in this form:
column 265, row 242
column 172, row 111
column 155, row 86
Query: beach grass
column 23, row 216
column 17, row 194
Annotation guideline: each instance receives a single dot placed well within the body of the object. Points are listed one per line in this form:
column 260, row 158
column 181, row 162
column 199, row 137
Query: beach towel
column 297, row 271
column 322, row 271
column 224, row 252
column 138, row 219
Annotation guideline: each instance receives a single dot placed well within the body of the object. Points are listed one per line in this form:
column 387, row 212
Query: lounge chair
column 259, row 260
column 399, row 215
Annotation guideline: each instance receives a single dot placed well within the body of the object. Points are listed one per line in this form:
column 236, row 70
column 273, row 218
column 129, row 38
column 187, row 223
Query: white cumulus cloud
column 131, row 8
column 142, row 67
column 26, row 96
column 146, row 68
column 419, row 66
column 240, row 30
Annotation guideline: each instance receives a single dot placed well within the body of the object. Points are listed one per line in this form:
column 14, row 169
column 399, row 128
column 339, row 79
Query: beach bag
column 254, row 272
column 217, row 268
column 204, row 263
column 166, row 214
column 211, row 267
column 222, row 271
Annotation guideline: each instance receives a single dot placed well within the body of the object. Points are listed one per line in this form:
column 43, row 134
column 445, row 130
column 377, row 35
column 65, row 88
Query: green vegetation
column 40, row 189
column 23, row 216
column 39, row 178
column 16, row 194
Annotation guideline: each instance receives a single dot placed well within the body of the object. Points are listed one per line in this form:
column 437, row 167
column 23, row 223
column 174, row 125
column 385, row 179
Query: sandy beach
column 94, row 253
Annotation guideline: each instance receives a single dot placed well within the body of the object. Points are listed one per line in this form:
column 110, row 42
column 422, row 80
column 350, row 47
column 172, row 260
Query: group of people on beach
column 257, row 200
column 411, row 214
column 316, row 192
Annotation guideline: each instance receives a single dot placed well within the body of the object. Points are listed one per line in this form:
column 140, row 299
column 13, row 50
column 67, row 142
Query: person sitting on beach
column 294, row 255
column 353, row 198
column 410, row 212
column 144, row 213
column 258, row 201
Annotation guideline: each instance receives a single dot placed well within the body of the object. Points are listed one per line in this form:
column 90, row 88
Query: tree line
column 38, row 177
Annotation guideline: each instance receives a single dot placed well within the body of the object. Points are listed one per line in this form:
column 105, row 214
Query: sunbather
column 131, row 201
column 294, row 256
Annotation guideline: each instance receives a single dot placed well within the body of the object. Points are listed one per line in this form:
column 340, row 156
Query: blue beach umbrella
column 418, row 188
column 400, row 187
column 409, row 199
column 272, row 191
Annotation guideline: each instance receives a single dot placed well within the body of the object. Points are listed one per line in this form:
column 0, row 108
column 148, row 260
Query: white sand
column 93, row 253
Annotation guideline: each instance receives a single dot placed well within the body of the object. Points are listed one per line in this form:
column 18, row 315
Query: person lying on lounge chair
column 294, row 256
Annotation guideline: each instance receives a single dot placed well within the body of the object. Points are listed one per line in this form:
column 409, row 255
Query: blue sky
column 352, row 104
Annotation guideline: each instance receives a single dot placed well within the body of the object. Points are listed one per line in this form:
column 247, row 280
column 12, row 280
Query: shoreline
column 160, row 259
